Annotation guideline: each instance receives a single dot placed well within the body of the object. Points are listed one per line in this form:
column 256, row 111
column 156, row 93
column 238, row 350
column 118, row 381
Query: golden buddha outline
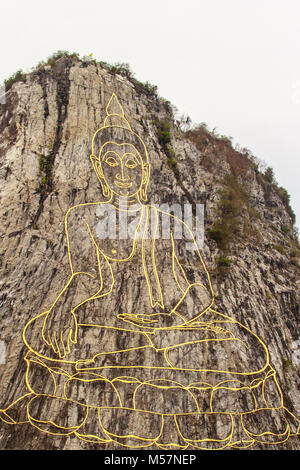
column 162, row 364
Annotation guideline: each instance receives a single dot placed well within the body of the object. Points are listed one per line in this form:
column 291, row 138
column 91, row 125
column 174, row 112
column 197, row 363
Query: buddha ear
column 97, row 166
column 145, row 182
column 98, row 170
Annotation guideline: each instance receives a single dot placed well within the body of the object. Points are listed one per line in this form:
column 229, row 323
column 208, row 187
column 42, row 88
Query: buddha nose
column 122, row 176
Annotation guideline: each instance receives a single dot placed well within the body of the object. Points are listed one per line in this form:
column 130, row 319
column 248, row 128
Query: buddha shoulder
column 84, row 214
column 172, row 223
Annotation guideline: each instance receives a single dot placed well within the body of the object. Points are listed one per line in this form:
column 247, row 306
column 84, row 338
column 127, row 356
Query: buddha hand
column 154, row 321
column 59, row 330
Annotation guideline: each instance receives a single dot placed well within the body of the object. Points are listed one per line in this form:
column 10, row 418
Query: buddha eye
column 131, row 163
column 111, row 161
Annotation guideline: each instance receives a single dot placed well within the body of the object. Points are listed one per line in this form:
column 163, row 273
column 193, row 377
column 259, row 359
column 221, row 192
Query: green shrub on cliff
column 19, row 76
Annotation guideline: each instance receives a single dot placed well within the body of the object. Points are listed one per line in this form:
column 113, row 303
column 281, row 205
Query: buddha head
column 119, row 156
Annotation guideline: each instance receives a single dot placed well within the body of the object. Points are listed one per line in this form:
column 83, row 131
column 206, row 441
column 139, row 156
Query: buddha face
column 122, row 168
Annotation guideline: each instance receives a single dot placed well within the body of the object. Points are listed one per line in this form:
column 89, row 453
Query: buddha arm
column 60, row 326
column 80, row 287
column 84, row 281
column 194, row 302
column 192, row 277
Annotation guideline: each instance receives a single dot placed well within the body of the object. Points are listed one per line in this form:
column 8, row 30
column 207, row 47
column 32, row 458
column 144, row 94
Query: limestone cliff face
column 46, row 130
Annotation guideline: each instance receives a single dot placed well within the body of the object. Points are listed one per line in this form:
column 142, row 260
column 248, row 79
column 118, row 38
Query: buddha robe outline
column 153, row 353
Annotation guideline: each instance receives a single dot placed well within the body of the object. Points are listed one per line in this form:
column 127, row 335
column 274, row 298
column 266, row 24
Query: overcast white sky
column 234, row 64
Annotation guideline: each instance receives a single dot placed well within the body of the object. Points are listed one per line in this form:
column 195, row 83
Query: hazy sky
column 234, row 64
